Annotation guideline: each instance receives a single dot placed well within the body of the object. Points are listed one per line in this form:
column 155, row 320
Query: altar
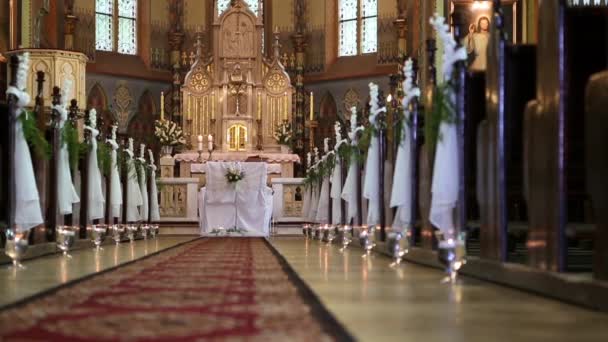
column 232, row 99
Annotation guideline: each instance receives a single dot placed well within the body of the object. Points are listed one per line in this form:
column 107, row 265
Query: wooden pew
column 596, row 123
column 572, row 47
column 509, row 85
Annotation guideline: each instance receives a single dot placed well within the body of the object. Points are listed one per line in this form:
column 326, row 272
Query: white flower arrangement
column 410, row 91
column 169, row 133
column 283, row 134
column 235, row 173
column 452, row 54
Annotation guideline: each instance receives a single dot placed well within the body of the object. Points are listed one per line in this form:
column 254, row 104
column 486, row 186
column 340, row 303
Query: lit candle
column 312, row 106
column 209, row 142
column 285, row 106
column 200, row 142
column 162, row 105
column 212, row 105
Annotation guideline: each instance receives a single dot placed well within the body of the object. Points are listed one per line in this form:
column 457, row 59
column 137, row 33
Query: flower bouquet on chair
column 235, row 173
column 221, row 231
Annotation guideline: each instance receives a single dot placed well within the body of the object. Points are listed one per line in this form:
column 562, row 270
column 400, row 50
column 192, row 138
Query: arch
column 98, row 99
column 328, row 114
column 141, row 125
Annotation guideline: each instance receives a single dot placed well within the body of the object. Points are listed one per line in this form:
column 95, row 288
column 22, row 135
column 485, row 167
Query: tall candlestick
column 200, row 142
column 312, row 106
column 285, row 106
column 162, row 105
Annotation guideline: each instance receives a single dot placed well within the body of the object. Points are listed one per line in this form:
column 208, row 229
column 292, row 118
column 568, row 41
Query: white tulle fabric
column 445, row 180
column 306, row 202
column 322, row 215
column 154, row 207
column 314, row 203
column 143, row 188
column 27, row 205
column 95, row 196
column 116, row 189
column 336, row 192
column 372, row 179
column 133, row 192
column 401, row 194
column 66, row 193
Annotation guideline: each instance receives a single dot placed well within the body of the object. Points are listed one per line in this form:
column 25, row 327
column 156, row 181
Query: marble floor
column 408, row 303
column 49, row 272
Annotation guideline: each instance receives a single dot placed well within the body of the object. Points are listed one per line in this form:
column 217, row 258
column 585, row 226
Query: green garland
column 34, row 137
column 442, row 110
column 104, row 158
column 122, row 160
column 69, row 137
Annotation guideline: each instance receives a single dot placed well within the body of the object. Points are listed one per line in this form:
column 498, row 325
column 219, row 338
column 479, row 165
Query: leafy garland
column 122, row 159
column 324, row 168
column 34, row 136
column 69, row 138
column 104, row 158
column 442, row 110
column 140, row 167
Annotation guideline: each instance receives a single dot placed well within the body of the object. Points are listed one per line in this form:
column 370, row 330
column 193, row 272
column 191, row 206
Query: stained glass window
column 104, row 30
column 223, row 5
column 358, row 27
column 116, row 26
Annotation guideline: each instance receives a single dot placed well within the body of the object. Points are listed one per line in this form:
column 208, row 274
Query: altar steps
column 179, row 228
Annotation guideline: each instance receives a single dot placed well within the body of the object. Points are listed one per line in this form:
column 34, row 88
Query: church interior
column 303, row 170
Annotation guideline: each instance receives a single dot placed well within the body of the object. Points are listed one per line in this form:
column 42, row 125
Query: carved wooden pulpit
column 236, row 94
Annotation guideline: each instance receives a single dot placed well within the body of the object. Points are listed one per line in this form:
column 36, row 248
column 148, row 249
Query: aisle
column 52, row 271
column 216, row 288
column 378, row 303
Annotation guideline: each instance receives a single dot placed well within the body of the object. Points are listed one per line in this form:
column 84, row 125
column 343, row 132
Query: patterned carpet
column 229, row 289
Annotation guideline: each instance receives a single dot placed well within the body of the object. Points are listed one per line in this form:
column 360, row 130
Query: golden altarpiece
column 236, row 94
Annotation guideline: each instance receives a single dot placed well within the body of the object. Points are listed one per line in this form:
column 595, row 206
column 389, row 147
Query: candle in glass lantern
column 162, row 105
column 200, row 142
column 210, row 142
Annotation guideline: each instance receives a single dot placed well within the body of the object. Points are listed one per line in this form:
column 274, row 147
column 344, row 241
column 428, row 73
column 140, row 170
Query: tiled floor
column 378, row 303
column 48, row 272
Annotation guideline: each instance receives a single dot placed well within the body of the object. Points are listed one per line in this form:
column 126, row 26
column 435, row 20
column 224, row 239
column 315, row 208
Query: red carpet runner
column 231, row 289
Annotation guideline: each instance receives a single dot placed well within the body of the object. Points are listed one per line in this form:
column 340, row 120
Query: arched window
column 358, row 27
column 116, row 26
column 223, row 5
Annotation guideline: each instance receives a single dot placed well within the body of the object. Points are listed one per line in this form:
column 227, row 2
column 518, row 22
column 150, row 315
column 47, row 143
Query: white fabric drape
column 143, row 188
column 314, row 203
column 246, row 204
column 445, row 180
column 401, row 195
column 336, row 192
column 134, row 193
column 95, row 195
column 322, row 215
column 27, row 201
column 116, row 189
column 154, row 207
column 349, row 193
column 372, row 179
column 306, row 202
column 66, row 193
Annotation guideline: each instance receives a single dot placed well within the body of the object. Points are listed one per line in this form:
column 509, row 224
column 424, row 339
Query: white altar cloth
column 246, row 205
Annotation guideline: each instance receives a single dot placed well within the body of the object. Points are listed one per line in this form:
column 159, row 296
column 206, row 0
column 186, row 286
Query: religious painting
column 477, row 28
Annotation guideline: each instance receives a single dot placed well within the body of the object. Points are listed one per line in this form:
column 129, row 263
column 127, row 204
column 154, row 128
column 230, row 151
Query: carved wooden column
column 460, row 73
column 10, row 149
column 124, row 175
column 493, row 235
column 69, row 25
column 415, row 145
column 176, row 41
column 84, row 177
column 299, row 42
column 55, row 141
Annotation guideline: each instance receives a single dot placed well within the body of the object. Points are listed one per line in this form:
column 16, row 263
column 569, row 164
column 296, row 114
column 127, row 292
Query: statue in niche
column 238, row 37
column 476, row 43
